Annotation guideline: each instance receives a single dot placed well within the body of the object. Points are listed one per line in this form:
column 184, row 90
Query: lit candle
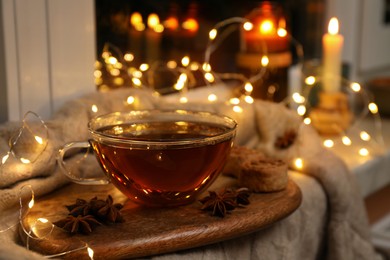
column 136, row 34
column 153, row 38
column 332, row 47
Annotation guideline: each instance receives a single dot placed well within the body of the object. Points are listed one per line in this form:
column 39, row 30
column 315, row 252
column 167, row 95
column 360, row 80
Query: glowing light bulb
column 209, row 77
column 128, row 57
column 90, row 252
column 238, row 109
column 144, row 67
column 38, row 139
column 373, row 108
column 328, row 143
column 365, row 136
column 249, row 99
column 264, row 61
column 266, row 27
column 206, row 67
column 346, row 140
column 298, row 98
column 185, row 61
column 355, row 87
column 301, row 110
column 247, row 26
column 130, row 100
column 94, row 108
column 212, row 98
column 364, row 152
column 282, row 32
column 43, row 220
column 183, row 100
column 5, row 158
column 298, row 163
column 307, row 121
column 112, row 60
column 137, row 82
column 213, row 34
column 234, row 101
column 248, row 87
column 310, row 80
column 31, row 203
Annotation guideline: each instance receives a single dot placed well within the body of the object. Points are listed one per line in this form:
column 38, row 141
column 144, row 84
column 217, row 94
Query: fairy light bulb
column 298, row 98
column 212, row 98
column 185, row 61
column 248, row 87
column 310, row 80
column 213, row 34
column 328, row 143
column 144, row 67
column 183, row 100
column 264, row 61
column 298, row 163
column 112, row 60
column 209, row 77
column 129, row 57
column 365, row 136
column 247, row 26
column 38, row 139
column 5, row 158
column 31, row 203
column 206, row 67
column 136, row 82
column 115, row 72
column 94, row 108
column 301, row 110
column 237, row 109
column 355, row 87
column 346, row 140
column 282, row 32
column 307, row 121
column 234, row 101
column 364, row 152
column 249, row 99
column 90, row 252
column 373, row 108
column 130, row 100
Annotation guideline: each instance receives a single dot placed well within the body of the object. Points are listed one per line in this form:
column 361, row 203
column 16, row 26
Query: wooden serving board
column 152, row 231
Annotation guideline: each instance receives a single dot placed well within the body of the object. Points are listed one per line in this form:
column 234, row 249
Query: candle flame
column 333, row 27
column 266, row 27
column 171, row 23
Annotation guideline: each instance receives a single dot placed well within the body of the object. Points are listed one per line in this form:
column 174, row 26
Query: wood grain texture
column 153, row 231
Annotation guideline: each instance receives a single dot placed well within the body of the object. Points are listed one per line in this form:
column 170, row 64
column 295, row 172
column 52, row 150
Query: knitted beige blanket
column 331, row 223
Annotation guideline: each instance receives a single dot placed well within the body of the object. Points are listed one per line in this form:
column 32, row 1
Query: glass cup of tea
column 156, row 157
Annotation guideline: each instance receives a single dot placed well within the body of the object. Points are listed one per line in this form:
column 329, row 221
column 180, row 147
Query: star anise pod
column 242, row 196
column 219, row 203
column 82, row 224
column 81, row 207
column 286, row 140
column 110, row 211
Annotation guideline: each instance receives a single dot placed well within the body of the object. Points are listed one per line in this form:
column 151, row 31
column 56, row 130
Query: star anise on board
column 286, row 140
column 85, row 215
column 222, row 203
column 110, row 211
column 83, row 224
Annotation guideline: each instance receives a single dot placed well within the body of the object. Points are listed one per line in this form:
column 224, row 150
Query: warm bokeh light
column 310, row 80
column 346, row 140
column 171, row 23
column 328, row 143
column 264, row 61
column 191, row 25
column 153, row 20
column 355, row 87
column 364, row 152
column 307, row 121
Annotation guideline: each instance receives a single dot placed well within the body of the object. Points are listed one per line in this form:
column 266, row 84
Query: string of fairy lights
column 119, row 66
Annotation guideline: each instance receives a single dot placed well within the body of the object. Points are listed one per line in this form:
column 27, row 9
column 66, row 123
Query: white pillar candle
column 332, row 48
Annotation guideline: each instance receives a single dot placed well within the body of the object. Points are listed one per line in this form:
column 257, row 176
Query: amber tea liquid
column 156, row 175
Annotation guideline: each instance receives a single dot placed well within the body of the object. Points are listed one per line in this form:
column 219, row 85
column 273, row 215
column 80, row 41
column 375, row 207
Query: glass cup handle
column 84, row 181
